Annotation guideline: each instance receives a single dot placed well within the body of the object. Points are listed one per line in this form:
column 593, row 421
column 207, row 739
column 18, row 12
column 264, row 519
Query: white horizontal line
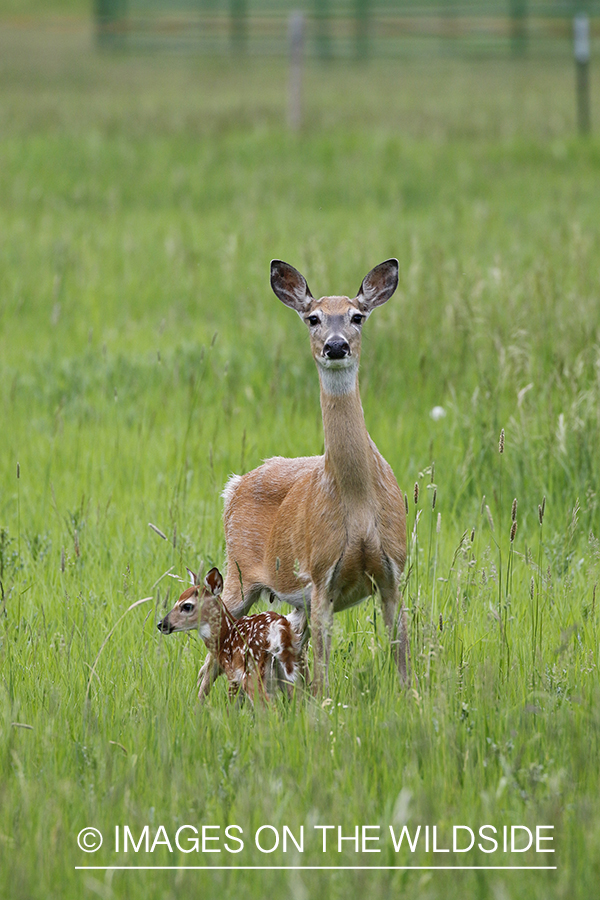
column 315, row 868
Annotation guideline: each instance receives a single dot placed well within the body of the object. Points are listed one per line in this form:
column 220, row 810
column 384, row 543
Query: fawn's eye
column 357, row 319
column 312, row 320
column 187, row 607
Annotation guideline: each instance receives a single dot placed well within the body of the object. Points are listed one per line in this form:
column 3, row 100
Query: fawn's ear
column 193, row 578
column 214, row 581
column 290, row 286
column 379, row 285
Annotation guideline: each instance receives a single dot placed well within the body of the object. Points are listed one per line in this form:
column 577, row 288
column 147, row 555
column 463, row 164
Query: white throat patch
column 338, row 380
column 205, row 632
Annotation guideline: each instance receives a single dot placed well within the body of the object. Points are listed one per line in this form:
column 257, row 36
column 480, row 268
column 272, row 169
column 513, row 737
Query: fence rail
column 346, row 28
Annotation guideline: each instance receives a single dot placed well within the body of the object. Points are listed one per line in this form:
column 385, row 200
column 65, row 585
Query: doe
column 257, row 653
column 319, row 532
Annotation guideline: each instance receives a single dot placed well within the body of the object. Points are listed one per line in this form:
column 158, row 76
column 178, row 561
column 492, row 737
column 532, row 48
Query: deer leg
column 254, row 687
column 321, row 628
column 397, row 629
column 262, row 679
column 303, row 667
column 207, row 676
column 262, row 692
column 302, row 680
column 236, row 694
column 298, row 619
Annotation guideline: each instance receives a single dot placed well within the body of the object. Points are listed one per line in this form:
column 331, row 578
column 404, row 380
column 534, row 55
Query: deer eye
column 357, row 319
column 312, row 320
column 187, row 607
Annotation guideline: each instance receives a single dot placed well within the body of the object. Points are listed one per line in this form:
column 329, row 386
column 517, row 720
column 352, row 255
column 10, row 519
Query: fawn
column 258, row 653
column 319, row 532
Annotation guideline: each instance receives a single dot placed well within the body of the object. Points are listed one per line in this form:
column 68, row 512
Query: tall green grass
column 143, row 359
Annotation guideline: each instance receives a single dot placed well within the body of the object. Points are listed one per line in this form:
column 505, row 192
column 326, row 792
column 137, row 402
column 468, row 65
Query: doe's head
column 193, row 607
column 334, row 323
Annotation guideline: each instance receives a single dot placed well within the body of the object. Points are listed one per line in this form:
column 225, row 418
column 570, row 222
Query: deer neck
column 348, row 448
column 218, row 628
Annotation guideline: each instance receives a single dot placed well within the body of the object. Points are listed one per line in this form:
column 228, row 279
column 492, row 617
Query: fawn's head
column 198, row 606
column 335, row 323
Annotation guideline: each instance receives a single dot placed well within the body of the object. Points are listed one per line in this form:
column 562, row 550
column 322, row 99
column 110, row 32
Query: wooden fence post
column 518, row 27
column 296, row 38
column 362, row 13
column 110, row 16
column 238, row 10
column 323, row 29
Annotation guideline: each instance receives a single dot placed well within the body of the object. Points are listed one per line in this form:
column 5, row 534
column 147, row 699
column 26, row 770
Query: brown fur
column 256, row 653
column 321, row 531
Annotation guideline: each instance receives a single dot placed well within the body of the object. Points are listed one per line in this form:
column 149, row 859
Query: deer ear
column 214, row 581
column 193, row 578
column 290, row 286
column 379, row 285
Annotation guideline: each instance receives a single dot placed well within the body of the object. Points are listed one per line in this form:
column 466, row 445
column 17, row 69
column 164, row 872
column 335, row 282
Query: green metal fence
column 346, row 28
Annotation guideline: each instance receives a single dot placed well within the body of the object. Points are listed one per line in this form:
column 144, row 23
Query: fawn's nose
column 336, row 348
column 164, row 625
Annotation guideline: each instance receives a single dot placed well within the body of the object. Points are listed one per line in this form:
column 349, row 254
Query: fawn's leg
column 207, row 676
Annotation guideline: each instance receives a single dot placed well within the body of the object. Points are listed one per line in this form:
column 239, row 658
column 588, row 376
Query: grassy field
column 143, row 358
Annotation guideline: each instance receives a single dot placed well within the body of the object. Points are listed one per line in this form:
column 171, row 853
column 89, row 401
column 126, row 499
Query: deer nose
column 336, row 348
column 164, row 625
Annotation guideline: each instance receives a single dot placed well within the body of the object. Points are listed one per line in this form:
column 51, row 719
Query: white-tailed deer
column 257, row 653
column 319, row 532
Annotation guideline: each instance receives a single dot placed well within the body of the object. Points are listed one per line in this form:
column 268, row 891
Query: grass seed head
column 513, row 530
column 501, row 442
column 434, row 498
column 513, row 512
column 158, row 531
column 489, row 515
column 542, row 510
column 416, row 492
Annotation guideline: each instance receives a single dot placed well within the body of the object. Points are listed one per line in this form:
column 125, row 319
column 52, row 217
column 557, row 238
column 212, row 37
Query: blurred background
column 348, row 28
column 154, row 157
column 429, row 68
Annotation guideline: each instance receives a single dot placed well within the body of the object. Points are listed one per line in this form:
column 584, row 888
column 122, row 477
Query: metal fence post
column 581, row 51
